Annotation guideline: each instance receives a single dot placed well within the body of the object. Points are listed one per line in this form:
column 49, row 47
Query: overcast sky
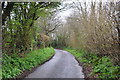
column 68, row 10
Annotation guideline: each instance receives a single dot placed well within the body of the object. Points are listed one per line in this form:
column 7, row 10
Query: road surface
column 62, row 65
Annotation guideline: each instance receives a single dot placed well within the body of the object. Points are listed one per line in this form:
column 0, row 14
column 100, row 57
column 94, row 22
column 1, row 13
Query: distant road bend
column 62, row 65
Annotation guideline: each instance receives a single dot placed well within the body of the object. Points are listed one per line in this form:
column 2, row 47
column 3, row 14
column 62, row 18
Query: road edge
column 84, row 69
column 27, row 72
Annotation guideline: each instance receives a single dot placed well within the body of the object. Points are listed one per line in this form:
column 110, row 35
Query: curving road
column 62, row 65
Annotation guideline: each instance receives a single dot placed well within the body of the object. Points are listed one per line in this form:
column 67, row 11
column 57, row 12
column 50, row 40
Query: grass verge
column 13, row 66
column 101, row 66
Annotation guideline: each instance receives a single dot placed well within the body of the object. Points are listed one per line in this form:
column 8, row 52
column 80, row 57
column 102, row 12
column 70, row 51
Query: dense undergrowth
column 100, row 65
column 14, row 65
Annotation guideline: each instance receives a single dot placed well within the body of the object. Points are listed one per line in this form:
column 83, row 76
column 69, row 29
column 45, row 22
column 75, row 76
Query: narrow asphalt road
column 62, row 65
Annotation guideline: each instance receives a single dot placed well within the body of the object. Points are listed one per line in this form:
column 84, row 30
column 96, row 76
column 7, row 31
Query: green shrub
column 14, row 65
column 106, row 68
